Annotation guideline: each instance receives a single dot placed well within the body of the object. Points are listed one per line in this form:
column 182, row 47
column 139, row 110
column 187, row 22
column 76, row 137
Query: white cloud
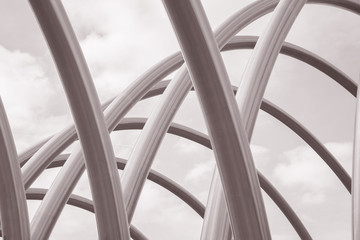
column 204, row 170
column 342, row 152
column 122, row 41
column 303, row 167
column 313, row 198
column 200, row 170
column 160, row 215
column 260, row 155
column 26, row 93
column 185, row 146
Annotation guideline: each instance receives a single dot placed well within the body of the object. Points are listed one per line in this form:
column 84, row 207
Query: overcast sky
column 121, row 40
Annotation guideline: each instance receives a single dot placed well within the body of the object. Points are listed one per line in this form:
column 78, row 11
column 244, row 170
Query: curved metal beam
column 54, row 201
column 160, row 118
column 249, row 97
column 297, row 52
column 222, row 116
column 104, row 180
column 28, row 153
column 49, row 150
column 13, row 208
column 310, row 139
column 141, row 158
column 262, row 61
column 213, row 228
column 349, row 5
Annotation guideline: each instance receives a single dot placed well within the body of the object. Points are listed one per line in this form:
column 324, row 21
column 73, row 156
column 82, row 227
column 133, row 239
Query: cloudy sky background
column 121, row 40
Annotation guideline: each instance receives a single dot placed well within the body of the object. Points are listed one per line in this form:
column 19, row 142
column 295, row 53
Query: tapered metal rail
column 355, row 190
column 262, row 60
column 310, row 139
column 142, row 155
column 303, row 55
column 227, row 133
column 249, row 97
column 24, row 156
column 13, row 208
column 104, row 180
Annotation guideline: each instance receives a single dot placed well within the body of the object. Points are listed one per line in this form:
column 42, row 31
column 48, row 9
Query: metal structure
column 235, row 208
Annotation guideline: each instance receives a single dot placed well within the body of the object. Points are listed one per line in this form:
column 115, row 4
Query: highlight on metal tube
column 192, row 157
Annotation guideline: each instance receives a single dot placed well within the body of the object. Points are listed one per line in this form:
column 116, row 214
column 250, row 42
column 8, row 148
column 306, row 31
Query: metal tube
column 231, row 147
column 250, row 94
column 310, row 139
column 89, row 121
column 262, row 60
column 355, row 188
column 297, row 52
column 13, row 208
column 27, row 153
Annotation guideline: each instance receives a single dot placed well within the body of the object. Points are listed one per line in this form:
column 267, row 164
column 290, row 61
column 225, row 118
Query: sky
column 121, row 40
